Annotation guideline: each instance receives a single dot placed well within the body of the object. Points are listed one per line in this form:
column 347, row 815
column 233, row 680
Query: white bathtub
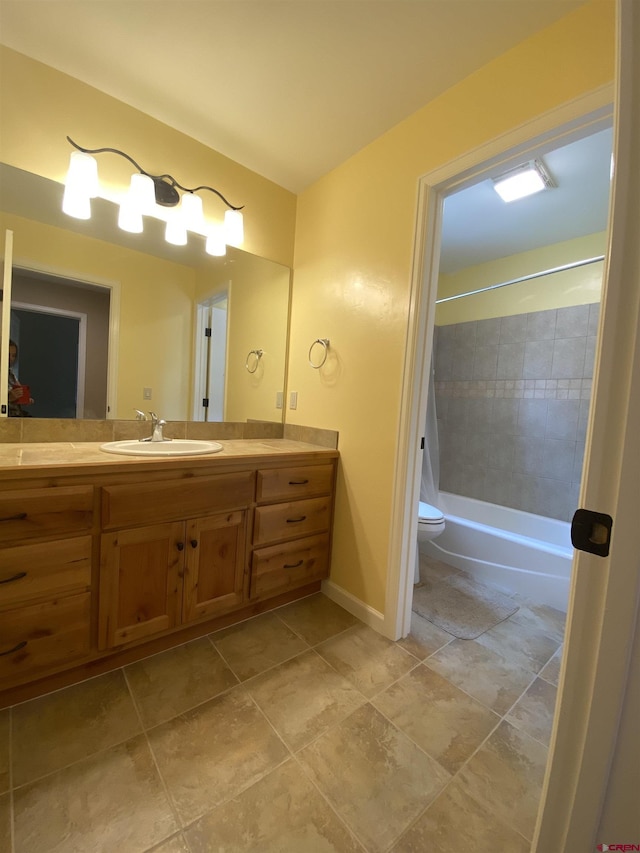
column 515, row 550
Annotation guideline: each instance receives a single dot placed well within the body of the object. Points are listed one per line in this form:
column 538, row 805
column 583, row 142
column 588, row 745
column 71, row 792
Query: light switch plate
column 293, row 400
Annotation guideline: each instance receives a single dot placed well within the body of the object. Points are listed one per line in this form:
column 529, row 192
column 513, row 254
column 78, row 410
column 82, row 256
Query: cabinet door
column 140, row 582
column 214, row 570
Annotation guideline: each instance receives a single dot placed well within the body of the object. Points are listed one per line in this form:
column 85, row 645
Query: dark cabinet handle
column 19, row 516
column 180, row 546
column 296, row 520
column 16, row 577
column 194, row 543
column 298, row 482
column 293, row 565
column 14, row 649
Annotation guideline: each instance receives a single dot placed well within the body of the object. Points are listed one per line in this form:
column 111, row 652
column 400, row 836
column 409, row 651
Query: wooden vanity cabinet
column 46, row 547
column 154, row 577
column 292, row 527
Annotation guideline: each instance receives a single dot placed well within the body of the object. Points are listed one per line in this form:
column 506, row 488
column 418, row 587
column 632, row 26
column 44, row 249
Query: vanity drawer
column 281, row 567
column 289, row 520
column 45, row 512
column 151, row 503
column 306, row 481
column 42, row 636
column 44, row 569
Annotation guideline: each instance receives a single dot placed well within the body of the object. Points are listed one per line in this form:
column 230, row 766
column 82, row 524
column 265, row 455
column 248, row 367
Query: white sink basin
column 175, row 447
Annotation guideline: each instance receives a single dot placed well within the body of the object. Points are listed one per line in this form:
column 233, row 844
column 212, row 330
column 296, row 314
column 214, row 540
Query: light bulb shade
column 129, row 217
column 141, row 195
column 215, row 244
column 76, row 203
column 192, row 215
column 175, row 233
column 82, row 175
column 233, row 228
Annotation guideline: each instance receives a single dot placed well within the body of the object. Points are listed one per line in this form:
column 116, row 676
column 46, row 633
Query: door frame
column 588, row 113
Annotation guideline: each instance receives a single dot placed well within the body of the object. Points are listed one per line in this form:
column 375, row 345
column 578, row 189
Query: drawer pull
column 298, row 482
column 16, row 577
column 296, row 520
column 293, row 565
column 14, row 649
column 194, row 543
column 180, row 546
column 19, row 516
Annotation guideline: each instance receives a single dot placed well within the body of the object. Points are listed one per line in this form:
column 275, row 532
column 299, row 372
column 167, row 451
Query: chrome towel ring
column 324, row 342
column 255, row 361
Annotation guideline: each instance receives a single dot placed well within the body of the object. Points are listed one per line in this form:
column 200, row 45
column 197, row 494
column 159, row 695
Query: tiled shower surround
column 512, row 399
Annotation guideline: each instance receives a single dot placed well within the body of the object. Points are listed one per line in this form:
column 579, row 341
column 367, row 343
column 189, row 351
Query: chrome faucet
column 157, row 425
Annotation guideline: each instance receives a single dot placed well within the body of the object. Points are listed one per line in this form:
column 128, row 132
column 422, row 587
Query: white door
column 5, row 323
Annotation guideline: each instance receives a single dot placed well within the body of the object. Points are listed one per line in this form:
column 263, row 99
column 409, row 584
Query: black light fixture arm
column 165, row 185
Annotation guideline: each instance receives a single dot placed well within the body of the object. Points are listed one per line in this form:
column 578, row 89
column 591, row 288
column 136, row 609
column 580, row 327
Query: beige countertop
column 81, row 456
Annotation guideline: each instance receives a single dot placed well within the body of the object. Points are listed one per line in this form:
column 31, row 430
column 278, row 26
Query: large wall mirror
column 106, row 322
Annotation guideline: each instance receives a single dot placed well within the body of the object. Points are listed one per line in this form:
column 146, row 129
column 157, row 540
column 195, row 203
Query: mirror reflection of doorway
column 51, row 359
column 211, row 358
column 63, row 344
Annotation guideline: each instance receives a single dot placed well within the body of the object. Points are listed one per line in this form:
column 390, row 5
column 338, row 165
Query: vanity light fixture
column 147, row 195
column 524, row 180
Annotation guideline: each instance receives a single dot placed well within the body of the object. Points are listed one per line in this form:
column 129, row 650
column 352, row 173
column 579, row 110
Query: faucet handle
column 154, row 417
column 140, row 416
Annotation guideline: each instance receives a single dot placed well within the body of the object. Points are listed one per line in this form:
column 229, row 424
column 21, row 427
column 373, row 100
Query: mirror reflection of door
column 63, row 344
column 211, row 358
column 51, row 360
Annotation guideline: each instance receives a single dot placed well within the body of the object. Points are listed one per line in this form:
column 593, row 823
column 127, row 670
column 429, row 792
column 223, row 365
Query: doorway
column 211, row 357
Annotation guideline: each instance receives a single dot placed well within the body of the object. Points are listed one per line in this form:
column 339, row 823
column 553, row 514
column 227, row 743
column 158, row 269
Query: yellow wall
column 577, row 286
column 156, row 310
column 353, row 255
column 40, row 107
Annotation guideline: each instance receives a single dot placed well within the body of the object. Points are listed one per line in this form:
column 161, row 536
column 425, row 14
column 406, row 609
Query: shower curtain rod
column 550, row 271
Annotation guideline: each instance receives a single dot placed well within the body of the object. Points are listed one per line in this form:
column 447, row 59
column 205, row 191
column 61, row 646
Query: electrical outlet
column 293, row 400
column 279, row 399
column 146, row 393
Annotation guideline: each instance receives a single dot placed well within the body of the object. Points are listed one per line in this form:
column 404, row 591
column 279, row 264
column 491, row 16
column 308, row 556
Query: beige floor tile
column 505, row 777
column 429, row 567
column 282, row 812
column 113, row 801
column 487, row 676
column 551, row 670
column 541, row 617
column 303, row 697
column 521, row 643
column 211, row 753
column 174, row 681
column 257, row 645
column 175, row 844
column 5, row 822
column 533, row 713
column 424, row 638
column 55, row 730
column 455, row 823
column 366, row 658
column 439, row 717
column 4, row 750
column 316, row 618
column 374, row 776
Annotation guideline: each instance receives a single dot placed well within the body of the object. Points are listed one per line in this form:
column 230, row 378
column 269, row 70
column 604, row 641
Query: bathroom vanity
column 106, row 559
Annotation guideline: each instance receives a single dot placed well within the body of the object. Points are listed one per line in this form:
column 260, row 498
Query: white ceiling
column 288, row 88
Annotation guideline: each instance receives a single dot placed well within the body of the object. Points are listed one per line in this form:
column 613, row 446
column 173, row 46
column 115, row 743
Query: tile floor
column 300, row 730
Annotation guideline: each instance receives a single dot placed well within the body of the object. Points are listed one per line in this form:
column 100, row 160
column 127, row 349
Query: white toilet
column 430, row 525
column 430, row 522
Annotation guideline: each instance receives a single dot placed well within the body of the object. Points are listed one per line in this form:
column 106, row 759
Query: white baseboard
column 373, row 618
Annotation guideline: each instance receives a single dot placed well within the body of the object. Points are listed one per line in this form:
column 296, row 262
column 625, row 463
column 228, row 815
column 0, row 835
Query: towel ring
column 324, row 342
column 257, row 353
